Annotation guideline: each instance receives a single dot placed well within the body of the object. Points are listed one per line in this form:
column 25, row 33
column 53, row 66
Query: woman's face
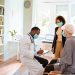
column 59, row 23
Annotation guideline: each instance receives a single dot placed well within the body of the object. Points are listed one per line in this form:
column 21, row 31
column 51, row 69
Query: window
column 73, row 14
column 44, row 14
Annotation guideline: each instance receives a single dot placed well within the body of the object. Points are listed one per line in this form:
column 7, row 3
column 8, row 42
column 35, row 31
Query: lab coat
column 27, row 56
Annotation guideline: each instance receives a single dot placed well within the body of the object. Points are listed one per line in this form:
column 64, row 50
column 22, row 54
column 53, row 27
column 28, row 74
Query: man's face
column 36, row 34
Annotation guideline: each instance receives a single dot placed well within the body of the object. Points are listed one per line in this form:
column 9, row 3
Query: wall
column 27, row 19
column 56, row 0
column 16, row 17
column 13, row 19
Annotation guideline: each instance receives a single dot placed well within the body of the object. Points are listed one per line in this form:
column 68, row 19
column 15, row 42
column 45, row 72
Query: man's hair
column 61, row 18
column 35, row 28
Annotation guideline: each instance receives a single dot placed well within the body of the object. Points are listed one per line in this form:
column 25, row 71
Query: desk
column 50, row 42
column 46, row 45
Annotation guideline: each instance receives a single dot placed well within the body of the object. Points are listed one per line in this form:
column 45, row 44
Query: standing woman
column 59, row 39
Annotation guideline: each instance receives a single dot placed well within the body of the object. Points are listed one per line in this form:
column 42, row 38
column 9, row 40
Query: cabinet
column 1, row 30
column 13, row 47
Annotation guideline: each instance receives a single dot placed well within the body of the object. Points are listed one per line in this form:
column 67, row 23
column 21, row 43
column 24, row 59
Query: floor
column 12, row 66
column 9, row 67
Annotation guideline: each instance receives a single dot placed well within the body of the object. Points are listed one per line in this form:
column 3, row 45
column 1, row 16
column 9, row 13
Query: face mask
column 36, row 36
column 60, row 24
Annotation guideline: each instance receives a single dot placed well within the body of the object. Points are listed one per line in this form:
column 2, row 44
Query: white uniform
column 27, row 56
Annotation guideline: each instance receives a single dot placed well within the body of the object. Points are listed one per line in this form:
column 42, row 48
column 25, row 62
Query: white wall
column 27, row 19
column 56, row 0
column 16, row 17
column 13, row 19
column 19, row 18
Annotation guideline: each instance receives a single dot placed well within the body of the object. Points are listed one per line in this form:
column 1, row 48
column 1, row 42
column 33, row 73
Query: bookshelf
column 1, row 23
column 1, row 31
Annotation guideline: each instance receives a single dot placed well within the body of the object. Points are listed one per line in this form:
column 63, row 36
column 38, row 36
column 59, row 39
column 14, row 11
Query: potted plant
column 13, row 33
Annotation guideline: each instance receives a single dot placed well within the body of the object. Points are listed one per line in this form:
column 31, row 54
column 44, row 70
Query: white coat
column 27, row 56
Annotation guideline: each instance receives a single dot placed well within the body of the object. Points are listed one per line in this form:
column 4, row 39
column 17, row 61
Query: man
column 34, row 63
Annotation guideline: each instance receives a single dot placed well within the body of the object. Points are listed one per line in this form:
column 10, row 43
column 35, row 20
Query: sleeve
column 54, row 38
column 25, row 48
column 66, row 57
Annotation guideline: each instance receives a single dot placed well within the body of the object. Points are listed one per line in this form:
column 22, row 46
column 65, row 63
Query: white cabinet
column 13, row 48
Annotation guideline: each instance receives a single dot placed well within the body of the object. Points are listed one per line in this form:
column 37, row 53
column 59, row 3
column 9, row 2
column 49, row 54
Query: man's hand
column 40, row 52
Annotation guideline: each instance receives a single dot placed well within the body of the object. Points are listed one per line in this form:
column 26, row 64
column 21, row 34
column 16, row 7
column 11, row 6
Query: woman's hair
column 69, row 28
column 61, row 19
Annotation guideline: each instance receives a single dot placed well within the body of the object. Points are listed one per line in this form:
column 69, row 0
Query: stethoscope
column 32, row 41
column 31, row 38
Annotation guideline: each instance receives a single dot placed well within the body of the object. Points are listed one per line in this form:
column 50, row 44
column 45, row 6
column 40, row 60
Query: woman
column 67, row 60
column 59, row 39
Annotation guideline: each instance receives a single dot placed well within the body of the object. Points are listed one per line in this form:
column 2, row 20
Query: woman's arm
column 54, row 41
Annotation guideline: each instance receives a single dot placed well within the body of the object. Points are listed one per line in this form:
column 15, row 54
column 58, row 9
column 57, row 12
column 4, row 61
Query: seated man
column 67, row 60
column 35, row 64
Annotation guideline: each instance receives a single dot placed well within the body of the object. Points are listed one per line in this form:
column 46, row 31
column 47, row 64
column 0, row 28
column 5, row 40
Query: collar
column 31, row 38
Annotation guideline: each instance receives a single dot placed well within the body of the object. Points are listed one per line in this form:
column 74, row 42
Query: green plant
column 13, row 32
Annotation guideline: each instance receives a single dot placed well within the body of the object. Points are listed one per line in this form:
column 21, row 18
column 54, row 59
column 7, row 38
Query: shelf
column 1, row 56
column 1, row 44
column 2, row 15
column 1, row 53
column 1, row 25
column 1, row 5
column 1, row 35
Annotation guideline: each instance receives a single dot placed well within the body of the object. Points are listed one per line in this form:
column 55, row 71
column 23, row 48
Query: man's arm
column 25, row 48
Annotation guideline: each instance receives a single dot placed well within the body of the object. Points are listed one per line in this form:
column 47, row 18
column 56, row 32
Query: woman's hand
column 52, row 49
